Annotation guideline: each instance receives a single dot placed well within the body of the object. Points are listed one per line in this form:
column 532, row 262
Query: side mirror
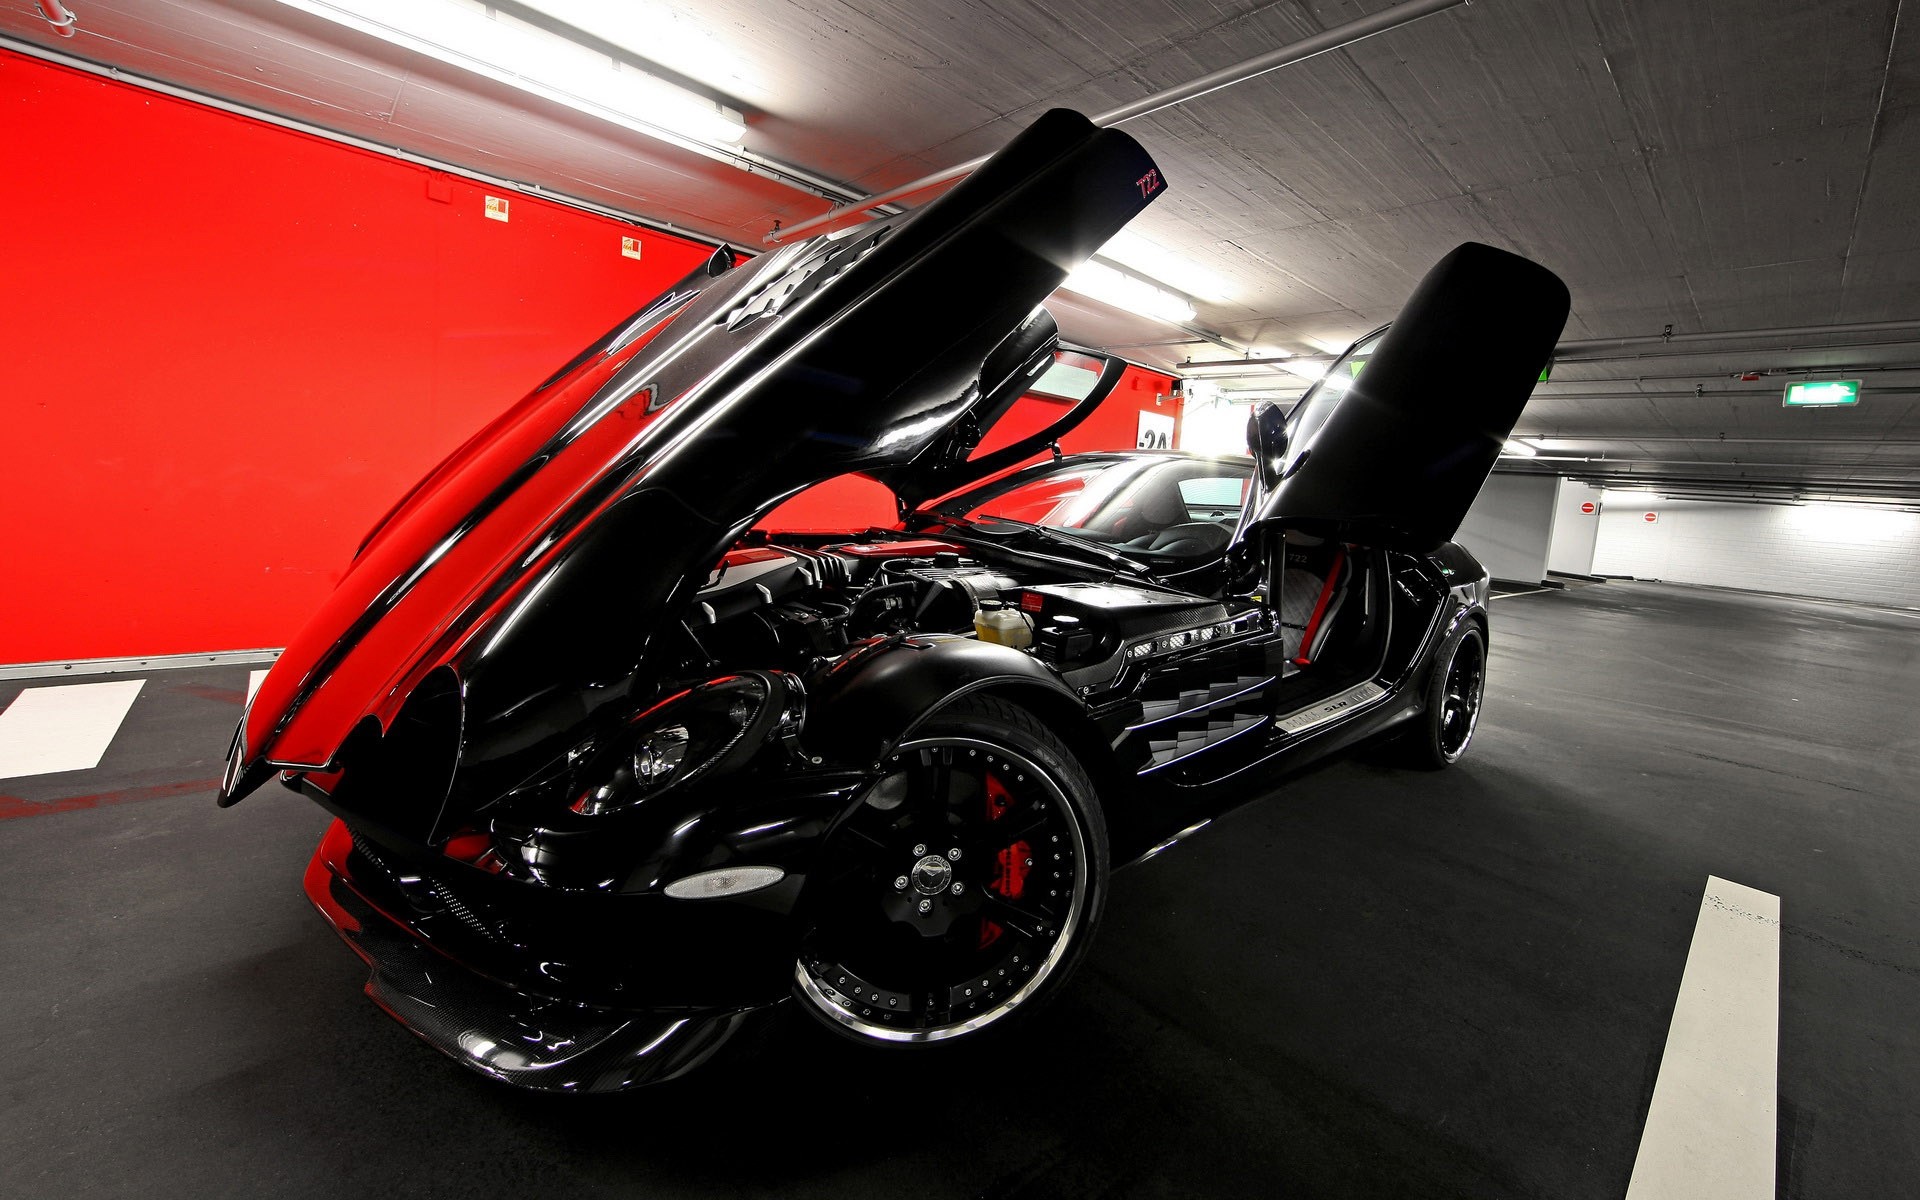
column 1267, row 442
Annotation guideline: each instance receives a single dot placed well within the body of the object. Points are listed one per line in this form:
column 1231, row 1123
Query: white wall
column 1574, row 532
column 1511, row 525
column 1843, row 552
column 1211, row 425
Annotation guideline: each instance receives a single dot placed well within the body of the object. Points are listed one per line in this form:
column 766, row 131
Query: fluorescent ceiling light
column 1101, row 282
column 1517, row 448
column 683, row 38
column 1156, row 262
column 510, row 51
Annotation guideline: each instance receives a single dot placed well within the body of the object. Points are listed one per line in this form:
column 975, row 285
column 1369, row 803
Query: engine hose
column 881, row 592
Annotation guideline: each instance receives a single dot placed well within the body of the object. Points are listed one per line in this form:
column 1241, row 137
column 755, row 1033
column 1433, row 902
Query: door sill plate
column 1331, row 709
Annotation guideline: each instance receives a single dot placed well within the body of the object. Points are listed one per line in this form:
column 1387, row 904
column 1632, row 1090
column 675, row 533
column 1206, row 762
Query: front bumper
column 490, row 1026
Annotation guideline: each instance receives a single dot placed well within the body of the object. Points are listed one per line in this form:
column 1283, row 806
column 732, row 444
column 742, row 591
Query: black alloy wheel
column 965, row 887
column 1454, row 697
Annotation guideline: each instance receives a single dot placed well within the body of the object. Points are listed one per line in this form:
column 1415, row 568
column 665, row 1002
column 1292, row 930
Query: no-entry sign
column 1650, row 518
column 1589, row 508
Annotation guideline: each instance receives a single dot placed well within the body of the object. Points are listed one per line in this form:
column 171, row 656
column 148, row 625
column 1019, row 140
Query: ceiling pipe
column 1736, row 494
column 1514, row 466
column 1182, row 341
column 1796, row 500
column 1717, row 440
column 1763, row 372
column 1208, row 335
column 1707, row 463
column 1696, row 479
column 1747, row 353
column 1332, row 39
column 1259, row 362
column 1198, row 365
column 59, row 16
column 1559, row 361
column 1740, row 334
column 1898, row 493
column 1750, row 393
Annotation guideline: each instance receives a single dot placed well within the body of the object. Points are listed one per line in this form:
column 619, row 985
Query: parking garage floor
column 1373, row 983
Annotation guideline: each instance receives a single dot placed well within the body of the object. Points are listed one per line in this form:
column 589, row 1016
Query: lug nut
column 957, row 889
column 900, row 883
column 953, row 855
column 926, row 906
column 921, row 848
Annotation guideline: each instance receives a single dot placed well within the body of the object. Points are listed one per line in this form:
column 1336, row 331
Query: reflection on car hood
column 541, row 561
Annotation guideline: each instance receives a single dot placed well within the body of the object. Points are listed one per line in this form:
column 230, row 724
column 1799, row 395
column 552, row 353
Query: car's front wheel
column 965, row 888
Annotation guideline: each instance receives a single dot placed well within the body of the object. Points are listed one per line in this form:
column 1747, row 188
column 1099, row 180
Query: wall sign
column 1589, row 507
column 496, row 208
column 629, row 247
column 1156, row 431
column 1652, row 518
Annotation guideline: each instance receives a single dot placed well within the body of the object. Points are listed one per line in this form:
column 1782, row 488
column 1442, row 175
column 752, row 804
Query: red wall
column 227, row 348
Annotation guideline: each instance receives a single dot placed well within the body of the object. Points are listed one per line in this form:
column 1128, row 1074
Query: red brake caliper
column 1011, row 879
column 1010, row 874
column 999, row 799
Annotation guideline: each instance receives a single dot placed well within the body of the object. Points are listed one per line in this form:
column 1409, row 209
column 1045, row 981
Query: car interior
column 1186, row 509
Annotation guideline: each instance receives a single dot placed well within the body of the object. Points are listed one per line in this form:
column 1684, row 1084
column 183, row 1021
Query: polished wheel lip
column 817, row 994
column 1471, row 704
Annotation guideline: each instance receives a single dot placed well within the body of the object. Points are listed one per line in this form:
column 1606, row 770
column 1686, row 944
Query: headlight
column 660, row 754
column 708, row 729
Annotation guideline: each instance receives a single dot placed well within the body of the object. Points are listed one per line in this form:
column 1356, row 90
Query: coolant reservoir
column 994, row 621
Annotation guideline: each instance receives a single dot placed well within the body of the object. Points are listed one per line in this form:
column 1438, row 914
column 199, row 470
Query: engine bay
column 800, row 608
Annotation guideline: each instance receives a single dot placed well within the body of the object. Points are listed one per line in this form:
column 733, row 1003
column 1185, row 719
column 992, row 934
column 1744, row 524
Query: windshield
column 1162, row 507
column 1313, row 410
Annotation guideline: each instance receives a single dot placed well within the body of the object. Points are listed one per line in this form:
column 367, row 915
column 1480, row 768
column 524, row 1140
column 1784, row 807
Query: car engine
column 801, row 608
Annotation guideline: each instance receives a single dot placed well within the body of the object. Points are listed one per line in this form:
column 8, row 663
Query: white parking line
column 1535, row 591
column 67, row 728
column 1710, row 1127
column 253, row 682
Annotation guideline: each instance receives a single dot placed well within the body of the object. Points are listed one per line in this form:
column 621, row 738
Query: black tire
column 924, row 964
column 1454, row 697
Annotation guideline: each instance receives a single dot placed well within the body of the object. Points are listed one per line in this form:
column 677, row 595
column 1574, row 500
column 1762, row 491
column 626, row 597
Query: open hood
column 513, row 599
column 1393, row 444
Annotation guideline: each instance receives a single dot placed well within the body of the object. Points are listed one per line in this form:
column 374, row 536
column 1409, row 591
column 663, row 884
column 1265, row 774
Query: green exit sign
column 1822, row 393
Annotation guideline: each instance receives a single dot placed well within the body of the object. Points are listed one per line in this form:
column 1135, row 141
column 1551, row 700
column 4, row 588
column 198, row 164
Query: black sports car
column 613, row 771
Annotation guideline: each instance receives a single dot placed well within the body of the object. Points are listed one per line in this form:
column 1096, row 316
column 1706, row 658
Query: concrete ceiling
column 1709, row 165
